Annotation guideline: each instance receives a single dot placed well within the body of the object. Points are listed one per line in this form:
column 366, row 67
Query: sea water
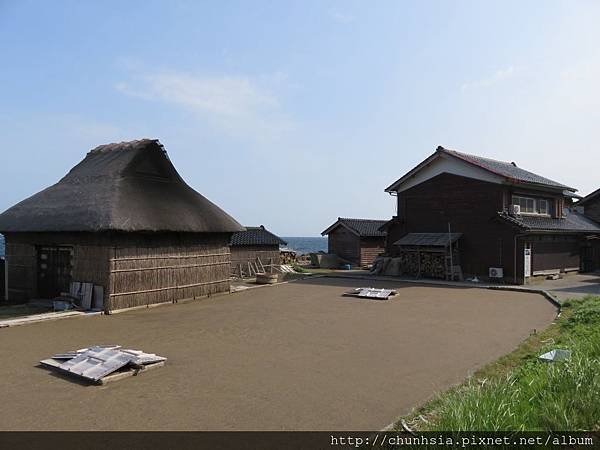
column 303, row 245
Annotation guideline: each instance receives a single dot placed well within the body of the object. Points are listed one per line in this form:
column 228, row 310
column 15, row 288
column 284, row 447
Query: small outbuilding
column 123, row 219
column 255, row 243
column 358, row 241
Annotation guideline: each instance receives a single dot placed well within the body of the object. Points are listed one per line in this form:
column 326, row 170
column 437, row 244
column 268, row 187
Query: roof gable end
column 359, row 227
column 471, row 166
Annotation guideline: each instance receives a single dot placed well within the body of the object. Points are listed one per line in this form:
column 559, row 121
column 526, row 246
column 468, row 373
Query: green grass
column 14, row 311
column 521, row 393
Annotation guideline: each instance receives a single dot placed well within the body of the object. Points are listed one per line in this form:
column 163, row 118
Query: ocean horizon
column 303, row 245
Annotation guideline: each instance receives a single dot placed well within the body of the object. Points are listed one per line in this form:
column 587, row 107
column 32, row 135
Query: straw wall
column 242, row 254
column 135, row 269
column 167, row 268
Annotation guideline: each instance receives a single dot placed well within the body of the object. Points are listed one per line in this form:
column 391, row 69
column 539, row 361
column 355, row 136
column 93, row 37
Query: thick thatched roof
column 129, row 186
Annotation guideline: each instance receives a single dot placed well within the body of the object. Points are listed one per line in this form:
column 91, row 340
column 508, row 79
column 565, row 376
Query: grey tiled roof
column 428, row 239
column 256, row 236
column 573, row 222
column 588, row 197
column 364, row 227
column 505, row 169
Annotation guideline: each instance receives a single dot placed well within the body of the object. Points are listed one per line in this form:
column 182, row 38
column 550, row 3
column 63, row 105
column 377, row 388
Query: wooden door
column 54, row 270
column 590, row 257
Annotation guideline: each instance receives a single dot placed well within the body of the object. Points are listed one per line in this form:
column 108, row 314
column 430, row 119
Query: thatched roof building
column 123, row 219
column 130, row 186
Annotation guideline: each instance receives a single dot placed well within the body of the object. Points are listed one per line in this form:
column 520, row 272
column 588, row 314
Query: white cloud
column 237, row 105
column 341, row 17
column 498, row 76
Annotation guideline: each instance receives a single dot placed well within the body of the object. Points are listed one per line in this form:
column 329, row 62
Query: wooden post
column 451, row 260
column 5, row 278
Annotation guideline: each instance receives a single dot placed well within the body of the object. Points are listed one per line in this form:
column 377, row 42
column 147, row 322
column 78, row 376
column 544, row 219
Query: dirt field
column 297, row 356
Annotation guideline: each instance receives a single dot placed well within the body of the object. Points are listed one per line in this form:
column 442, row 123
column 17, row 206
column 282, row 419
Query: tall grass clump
column 536, row 395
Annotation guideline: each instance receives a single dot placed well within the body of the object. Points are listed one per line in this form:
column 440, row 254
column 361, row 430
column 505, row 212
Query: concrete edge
column 27, row 320
column 546, row 294
column 156, row 305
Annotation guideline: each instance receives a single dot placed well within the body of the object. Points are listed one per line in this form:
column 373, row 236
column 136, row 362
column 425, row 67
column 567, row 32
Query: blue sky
column 292, row 113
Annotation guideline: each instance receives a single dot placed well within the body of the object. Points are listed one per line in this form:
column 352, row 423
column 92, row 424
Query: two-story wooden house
column 507, row 222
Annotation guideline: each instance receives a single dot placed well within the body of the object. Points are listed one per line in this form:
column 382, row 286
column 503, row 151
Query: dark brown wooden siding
column 554, row 252
column 2, row 280
column 370, row 248
column 21, row 269
column 470, row 206
column 344, row 244
column 592, row 209
column 590, row 255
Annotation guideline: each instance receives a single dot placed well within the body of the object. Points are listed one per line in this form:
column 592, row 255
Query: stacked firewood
column 425, row 264
column 287, row 256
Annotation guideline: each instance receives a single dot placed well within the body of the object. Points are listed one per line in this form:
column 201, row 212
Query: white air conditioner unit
column 496, row 272
column 514, row 210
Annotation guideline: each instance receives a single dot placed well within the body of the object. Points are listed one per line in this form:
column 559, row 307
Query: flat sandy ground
column 296, row 356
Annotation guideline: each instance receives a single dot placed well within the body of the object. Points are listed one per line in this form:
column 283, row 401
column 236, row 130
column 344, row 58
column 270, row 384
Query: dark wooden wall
column 471, row 207
column 590, row 255
column 591, row 250
column 21, row 269
column 344, row 244
column 2, row 280
column 554, row 252
column 370, row 248
column 592, row 209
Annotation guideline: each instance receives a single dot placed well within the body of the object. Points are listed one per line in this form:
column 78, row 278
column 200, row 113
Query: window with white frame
column 530, row 205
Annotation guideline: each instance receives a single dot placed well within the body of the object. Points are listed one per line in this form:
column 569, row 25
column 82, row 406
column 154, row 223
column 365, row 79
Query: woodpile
column 430, row 264
column 415, row 263
column 287, row 256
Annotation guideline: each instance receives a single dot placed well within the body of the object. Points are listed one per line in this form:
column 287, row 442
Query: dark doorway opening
column 54, row 270
column 590, row 256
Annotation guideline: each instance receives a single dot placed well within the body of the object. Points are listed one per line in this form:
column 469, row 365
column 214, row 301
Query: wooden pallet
column 129, row 372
